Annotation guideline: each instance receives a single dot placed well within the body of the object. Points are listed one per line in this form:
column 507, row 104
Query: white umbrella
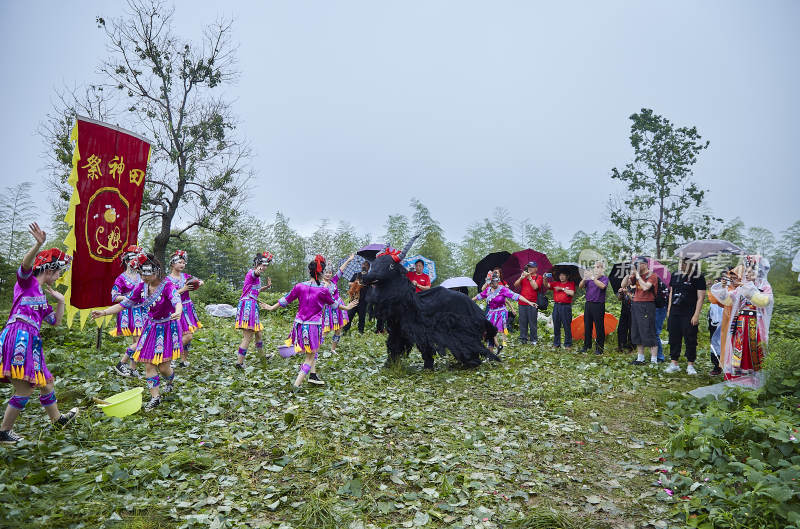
column 455, row 282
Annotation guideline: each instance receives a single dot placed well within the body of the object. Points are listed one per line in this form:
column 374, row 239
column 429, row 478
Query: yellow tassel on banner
column 70, row 312
column 69, row 218
column 288, row 342
column 84, row 315
column 100, row 322
column 136, row 355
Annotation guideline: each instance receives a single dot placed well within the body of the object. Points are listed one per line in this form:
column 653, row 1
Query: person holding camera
column 594, row 312
column 530, row 285
column 687, row 290
column 563, row 292
column 644, row 283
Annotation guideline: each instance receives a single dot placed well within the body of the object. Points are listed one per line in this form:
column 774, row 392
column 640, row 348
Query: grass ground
column 544, row 439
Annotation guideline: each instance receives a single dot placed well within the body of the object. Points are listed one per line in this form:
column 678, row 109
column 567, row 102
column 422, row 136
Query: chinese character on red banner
column 109, row 169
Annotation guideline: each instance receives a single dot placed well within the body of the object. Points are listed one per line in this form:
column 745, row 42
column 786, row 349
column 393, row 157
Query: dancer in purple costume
column 160, row 342
column 22, row 360
column 307, row 329
column 334, row 319
column 496, row 296
column 130, row 321
column 247, row 315
column 184, row 283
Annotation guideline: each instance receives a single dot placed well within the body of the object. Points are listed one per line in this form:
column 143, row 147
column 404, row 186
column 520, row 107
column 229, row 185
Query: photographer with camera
column 531, row 286
column 687, row 290
column 644, row 284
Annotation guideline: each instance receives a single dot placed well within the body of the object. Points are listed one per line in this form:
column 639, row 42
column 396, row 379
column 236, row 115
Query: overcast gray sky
column 464, row 105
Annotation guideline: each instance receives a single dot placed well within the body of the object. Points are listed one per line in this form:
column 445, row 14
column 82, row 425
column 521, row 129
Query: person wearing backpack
column 644, row 284
column 687, row 291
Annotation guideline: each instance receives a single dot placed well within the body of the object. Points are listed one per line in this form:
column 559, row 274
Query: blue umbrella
column 351, row 269
column 429, row 267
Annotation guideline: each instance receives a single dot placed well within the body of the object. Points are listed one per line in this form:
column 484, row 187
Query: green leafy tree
column 16, row 212
column 761, row 241
column 541, row 239
column 660, row 192
column 291, row 257
column 487, row 236
column 431, row 243
column 322, row 242
column 732, row 231
column 397, row 230
column 790, row 240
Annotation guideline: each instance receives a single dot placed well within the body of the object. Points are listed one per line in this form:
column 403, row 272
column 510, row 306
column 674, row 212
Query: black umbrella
column 491, row 261
column 618, row 273
column 573, row 271
column 369, row 251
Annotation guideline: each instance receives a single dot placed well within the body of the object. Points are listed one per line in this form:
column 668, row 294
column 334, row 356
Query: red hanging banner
column 109, row 165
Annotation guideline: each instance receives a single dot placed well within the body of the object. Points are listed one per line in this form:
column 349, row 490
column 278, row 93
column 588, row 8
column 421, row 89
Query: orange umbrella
column 609, row 320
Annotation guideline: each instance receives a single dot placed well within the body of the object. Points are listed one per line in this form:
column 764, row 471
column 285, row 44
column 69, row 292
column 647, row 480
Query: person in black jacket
column 624, row 343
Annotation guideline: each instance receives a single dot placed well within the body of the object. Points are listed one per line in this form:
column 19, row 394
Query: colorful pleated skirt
column 333, row 319
column 161, row 341
column 247, row 315
column 189, row 321
column 130, row 322
column 306, row 337
column 22, row 355
column 499, row 318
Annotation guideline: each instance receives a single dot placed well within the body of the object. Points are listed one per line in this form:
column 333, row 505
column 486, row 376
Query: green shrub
column 737, row 458
column 215, row 291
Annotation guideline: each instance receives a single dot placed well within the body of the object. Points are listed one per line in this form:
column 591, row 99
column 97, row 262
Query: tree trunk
column 161, row 240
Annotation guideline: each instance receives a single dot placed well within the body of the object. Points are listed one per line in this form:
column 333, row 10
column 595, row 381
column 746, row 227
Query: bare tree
column 91, row 101
column 197, row 173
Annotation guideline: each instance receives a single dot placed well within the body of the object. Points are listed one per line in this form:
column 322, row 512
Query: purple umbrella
column 369, row 251
column 659, row 269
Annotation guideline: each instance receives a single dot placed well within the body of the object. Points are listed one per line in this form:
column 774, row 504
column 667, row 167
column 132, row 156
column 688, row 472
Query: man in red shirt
column 563, row 291
column 530, row 284
column 418, row 278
